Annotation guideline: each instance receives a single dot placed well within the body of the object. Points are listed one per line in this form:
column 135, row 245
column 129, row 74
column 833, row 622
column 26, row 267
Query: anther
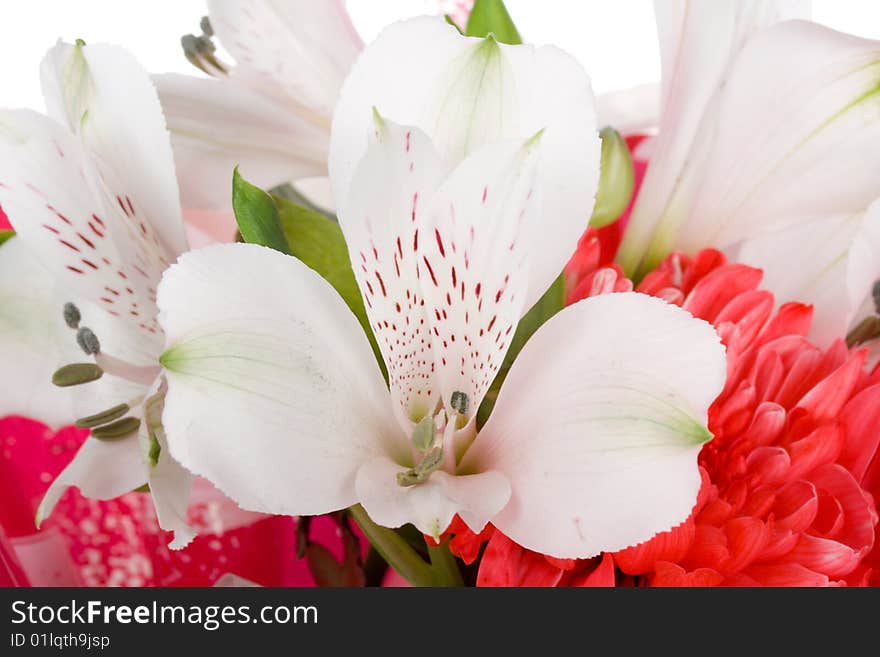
column 419, row 474
column 206, row 26
column 117, row 429
column 865, row 331
column 76, row 373
column 103, row 417
column 88, row 341
column 460, row 402
column 72, row 315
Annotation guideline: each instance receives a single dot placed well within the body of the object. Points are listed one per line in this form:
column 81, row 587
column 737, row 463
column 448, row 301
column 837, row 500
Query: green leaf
column 616, row 180
column 548, row 305
column 6, row 235
column 291, row 193
column 449, row 20
column 491, row 17
column 256, row 215
column 318, row 242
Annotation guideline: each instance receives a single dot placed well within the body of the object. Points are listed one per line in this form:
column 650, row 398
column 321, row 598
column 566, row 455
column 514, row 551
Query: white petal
column 831, row 263
column 699, row 39
column 431, row 505
column 217, row 125
column 477, row 250
column 170, row 487
column 53, row 197
column 796, row 136
column 273, row 391
column 101, row 469
column 34, row 341
column 414, row 74
column 863, row 265
column 299, row 48
column 380, row 218
column 103, row 95
column 630, row 110
column 599, row 423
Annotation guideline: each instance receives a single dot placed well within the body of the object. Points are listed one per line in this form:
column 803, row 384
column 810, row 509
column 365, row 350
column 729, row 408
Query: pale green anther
column 76, row 373
column 419, row 474
column 72, row 315
column 118, row 429
column 865, row 331
column 103, row 417
column 79, row 43
column 423, row 434
column 616, row 179
column 409, row 478
column 460, row 402
column 88, row 341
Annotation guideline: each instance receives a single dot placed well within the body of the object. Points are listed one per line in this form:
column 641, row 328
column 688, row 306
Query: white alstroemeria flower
column 699, row 43
column 91, row 193
column 768, row 152
column 269, row 113
column 455, row 224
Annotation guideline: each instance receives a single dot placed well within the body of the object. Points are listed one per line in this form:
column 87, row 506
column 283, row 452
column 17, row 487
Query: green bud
column 616, row 179
column 103, row 417
column 76, row 373
column 117, row 429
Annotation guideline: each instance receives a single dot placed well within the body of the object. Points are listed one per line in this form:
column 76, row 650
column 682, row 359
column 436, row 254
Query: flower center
column 112, row 423
column 433, row 439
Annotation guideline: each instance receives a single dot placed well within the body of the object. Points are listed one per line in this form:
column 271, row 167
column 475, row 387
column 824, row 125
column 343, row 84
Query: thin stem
column 444, row 565
column 394, row 549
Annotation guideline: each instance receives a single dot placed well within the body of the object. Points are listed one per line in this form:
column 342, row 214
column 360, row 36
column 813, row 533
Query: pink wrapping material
column 118, row 542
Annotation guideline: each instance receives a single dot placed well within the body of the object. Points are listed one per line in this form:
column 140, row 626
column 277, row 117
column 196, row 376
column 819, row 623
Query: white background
column 613, row 38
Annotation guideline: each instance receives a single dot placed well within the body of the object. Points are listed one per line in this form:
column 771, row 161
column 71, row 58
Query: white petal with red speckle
column 381, row 220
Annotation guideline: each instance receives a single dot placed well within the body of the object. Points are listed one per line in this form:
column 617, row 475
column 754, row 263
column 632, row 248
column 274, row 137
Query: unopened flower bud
column 616, row 179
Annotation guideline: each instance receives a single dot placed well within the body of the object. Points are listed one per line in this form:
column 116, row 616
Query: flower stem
column 446, row 572
column 394, row 549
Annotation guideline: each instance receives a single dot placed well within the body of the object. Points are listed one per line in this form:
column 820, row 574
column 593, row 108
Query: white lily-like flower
column 92, row 195
column 768, row 149
column 457, row 217
column 270, row 112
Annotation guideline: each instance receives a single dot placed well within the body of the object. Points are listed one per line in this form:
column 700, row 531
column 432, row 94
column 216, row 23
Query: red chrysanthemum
column 791, row 476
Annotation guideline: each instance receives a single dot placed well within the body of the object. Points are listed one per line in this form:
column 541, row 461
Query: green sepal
column 491, row 17
column 256, row 215
column 548, row 305
column 319, row 243
column 6, row 235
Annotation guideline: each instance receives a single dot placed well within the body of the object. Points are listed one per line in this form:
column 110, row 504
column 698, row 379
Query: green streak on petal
column 476, row 102
column 5, row 236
